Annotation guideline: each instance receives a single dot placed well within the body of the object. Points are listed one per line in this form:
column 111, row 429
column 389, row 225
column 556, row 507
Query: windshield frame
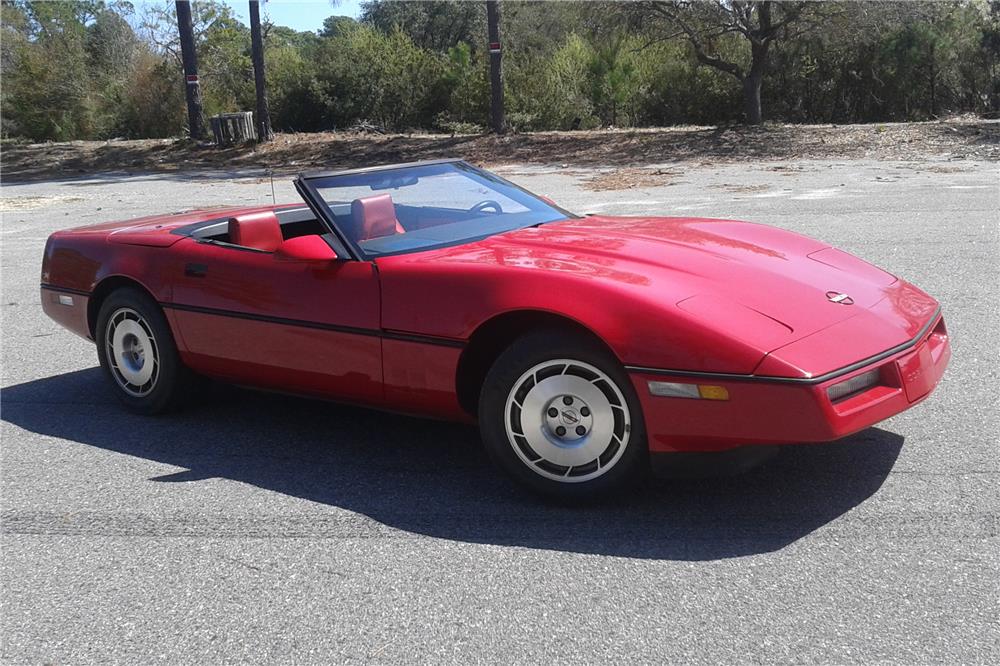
column 305, row 184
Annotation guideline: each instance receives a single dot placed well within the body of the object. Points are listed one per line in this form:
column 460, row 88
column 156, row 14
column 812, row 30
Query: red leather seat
column 261, row 231
column 375, row 217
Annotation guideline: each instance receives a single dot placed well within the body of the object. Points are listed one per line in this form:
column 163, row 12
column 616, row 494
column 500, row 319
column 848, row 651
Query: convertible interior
column 362, row 219
column 374, row 222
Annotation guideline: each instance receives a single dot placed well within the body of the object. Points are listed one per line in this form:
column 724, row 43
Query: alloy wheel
column 567, row 420
column 132, row 352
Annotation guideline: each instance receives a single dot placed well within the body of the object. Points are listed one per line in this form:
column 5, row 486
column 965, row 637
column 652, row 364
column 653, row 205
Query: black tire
column 171, row 381
column 513, row 454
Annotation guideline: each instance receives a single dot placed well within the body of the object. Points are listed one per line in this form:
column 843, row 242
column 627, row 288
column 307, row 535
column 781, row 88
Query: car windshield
column 411, row 208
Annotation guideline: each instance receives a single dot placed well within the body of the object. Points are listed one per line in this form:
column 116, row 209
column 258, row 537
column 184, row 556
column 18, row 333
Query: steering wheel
column 486, row 203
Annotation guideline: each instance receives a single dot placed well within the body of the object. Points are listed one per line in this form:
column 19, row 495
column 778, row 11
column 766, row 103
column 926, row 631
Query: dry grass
column 960, row 138
column 630, row 178
column 734, row 187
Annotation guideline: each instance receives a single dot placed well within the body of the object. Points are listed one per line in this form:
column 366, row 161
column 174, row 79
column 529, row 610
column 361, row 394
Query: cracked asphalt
column 255, row 528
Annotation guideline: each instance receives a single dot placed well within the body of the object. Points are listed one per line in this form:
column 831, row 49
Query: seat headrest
column 375, row 217
column 261, row 231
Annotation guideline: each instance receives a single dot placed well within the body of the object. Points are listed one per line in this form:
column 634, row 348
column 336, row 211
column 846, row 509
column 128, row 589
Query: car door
column 250, row 317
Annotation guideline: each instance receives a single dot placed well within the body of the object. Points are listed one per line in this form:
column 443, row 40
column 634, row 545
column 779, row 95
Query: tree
column 436, row 25
column 189, row 56
column 86, row 69
column 758, row 22
column 497, row 122
column 990, row 48
column 264, row 132
column 465, row 82
column 367, row 75
column 611, row 77
column 336, row 25
column 45, row 84
column 222, row 43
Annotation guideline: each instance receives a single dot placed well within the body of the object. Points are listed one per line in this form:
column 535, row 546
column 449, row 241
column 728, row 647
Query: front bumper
column 763, row 410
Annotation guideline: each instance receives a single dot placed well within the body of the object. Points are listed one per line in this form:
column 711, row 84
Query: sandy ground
column 959, row 139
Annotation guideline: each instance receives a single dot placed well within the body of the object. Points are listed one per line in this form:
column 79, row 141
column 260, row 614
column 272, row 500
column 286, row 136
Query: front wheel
column 559, row 415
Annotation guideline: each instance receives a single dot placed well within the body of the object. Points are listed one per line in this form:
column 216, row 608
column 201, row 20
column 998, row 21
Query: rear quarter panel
column 79, row 261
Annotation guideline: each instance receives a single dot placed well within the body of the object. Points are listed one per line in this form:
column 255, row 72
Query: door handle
column 195, row 270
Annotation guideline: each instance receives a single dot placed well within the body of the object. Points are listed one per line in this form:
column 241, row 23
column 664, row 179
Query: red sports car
column 584, row 346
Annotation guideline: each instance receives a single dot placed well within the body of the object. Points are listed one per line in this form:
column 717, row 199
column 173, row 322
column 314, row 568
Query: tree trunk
column 933, row 78
column 751, row 99
column 752, row 83
column 189, row 57
column 264, row 132
column 497, row 121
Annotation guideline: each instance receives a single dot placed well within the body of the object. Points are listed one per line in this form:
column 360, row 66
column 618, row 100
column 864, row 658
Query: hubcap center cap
column 135, row 353
column 568, row 419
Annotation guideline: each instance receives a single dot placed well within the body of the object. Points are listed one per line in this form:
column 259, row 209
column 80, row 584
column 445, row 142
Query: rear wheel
column 559, row 415
column 136, row 349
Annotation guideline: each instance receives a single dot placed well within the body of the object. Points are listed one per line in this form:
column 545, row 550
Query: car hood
column 758, row 284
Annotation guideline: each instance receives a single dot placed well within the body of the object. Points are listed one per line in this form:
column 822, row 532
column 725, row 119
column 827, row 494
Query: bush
column 153, row 106
column 363, row 74
column 45, row 101
column 552, row 92
column 676, row 90
column 465, row 81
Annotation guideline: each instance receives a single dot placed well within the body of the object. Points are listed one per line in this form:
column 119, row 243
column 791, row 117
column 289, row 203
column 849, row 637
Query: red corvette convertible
column 582, row 345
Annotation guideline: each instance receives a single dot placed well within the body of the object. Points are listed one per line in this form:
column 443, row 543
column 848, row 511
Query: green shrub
column 364, row 74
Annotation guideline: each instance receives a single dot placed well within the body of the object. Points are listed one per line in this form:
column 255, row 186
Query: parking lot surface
column 259, row 528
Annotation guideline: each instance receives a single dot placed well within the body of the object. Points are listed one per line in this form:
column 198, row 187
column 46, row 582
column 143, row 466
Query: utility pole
column 497, row 122
column 264, row 132
column 196, row 122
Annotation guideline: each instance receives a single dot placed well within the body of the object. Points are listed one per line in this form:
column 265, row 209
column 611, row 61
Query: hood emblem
column 837, row 297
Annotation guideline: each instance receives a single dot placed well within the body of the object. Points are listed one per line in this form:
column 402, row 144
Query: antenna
column 271, row 174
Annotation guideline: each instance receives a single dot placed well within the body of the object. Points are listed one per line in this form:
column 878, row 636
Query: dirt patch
column 733, row 187
column 961, row 138
column 784, row 167
column 10, row 204
column 626, row 179
column 939, row 168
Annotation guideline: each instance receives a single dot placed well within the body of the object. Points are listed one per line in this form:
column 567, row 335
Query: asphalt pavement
column 256, row 528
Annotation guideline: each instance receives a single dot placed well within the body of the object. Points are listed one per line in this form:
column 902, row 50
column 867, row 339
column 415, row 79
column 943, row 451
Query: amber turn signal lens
column 708, row 392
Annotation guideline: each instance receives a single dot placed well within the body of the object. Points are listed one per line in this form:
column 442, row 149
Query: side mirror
column 305, row 248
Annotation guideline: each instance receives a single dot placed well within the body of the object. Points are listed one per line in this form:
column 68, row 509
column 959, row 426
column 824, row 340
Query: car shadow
column 433, row 478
